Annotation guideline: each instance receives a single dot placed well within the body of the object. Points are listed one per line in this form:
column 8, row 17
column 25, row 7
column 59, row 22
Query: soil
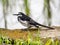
column 19, row 33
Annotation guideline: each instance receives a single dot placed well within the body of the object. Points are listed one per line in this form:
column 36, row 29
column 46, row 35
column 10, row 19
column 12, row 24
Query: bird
column 28, row 21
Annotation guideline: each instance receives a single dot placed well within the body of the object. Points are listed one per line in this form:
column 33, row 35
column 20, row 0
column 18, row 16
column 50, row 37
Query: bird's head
column 19, row 14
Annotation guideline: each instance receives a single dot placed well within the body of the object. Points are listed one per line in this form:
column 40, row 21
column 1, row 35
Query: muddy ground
column 19, row 33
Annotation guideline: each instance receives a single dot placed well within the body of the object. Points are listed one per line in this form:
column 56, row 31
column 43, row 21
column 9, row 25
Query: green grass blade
column 27, row 10
column 48, row 42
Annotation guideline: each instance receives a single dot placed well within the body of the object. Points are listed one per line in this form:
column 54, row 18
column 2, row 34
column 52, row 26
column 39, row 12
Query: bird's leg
column 38, row 27
column 28, row 27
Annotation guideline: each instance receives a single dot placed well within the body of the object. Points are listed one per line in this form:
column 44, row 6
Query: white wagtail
column 29, row 22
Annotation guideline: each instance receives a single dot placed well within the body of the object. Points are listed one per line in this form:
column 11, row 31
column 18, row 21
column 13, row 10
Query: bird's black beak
column 16, row 14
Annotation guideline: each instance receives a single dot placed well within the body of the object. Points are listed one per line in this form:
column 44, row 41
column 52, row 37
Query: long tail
column 45, row 26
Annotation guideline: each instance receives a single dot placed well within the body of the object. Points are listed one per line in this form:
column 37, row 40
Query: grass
column 47, row 12
column 48, row 41
column 27, row 9
column 5, row 4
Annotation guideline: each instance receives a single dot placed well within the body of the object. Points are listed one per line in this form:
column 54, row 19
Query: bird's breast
column 23, row 22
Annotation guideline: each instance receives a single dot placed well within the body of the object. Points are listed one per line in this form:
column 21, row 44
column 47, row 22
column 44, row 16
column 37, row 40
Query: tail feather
column 45, row 26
